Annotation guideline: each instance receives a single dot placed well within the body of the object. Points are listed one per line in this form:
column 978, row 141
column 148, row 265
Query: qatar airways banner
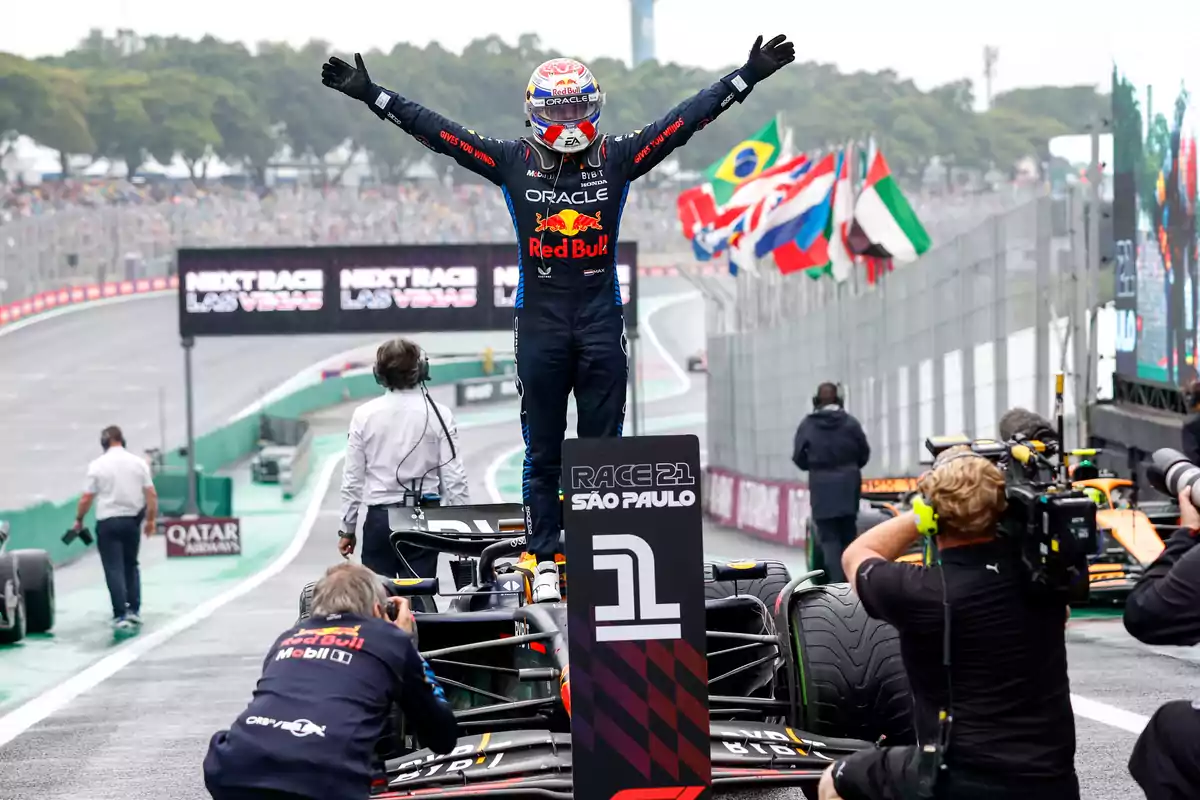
column 776, row 511
column 382, row 289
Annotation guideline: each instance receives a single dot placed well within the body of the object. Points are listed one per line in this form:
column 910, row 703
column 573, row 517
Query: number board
column 639, row 670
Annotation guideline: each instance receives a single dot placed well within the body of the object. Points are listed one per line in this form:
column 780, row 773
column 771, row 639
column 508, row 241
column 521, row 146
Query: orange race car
column 1131, row 533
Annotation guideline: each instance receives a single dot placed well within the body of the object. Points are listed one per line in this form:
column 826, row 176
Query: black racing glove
column 350, row 81
column 765, row 60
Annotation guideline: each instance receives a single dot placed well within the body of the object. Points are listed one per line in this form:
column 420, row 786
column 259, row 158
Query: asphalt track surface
column 63, row 380
column 143, row 732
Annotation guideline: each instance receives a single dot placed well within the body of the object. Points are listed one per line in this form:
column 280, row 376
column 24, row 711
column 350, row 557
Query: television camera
column 1051, row 524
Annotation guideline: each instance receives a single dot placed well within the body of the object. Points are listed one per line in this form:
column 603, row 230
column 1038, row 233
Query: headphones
column 422, row 371
column 923, row 508
column 841, row 403
column 106, row 441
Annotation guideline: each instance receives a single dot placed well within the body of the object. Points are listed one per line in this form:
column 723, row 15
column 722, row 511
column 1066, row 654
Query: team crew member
column 119, row 484
column 401, row 446
column 1164, row 609
column 566, row 187
column 1012, row 731
column 324, row 698
column 831, row 447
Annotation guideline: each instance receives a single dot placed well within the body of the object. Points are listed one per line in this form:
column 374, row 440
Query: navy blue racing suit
column 321, row 707
column 568, row 328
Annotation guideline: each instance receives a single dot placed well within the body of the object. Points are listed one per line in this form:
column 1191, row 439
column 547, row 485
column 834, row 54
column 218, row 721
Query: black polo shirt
column 1012, row 703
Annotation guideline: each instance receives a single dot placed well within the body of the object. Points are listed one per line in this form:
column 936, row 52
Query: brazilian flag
column 745, row 161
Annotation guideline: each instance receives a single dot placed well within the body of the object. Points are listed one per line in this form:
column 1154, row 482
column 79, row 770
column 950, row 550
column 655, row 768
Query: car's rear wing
column 887, row 489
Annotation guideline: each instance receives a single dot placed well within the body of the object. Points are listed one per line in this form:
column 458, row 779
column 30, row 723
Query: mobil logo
column 568, row 223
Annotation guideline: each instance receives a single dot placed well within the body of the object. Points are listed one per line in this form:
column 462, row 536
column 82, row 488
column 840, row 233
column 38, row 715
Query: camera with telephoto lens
column 1171, row 473
column 1051, row 525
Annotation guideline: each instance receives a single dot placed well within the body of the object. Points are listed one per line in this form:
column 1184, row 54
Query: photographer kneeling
column 986, row 656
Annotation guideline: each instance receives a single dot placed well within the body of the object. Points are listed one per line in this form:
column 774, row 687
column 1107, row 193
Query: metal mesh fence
column 941, row 346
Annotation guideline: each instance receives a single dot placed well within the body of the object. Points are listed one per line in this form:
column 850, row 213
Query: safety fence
column 42, row 525
column 977, row 325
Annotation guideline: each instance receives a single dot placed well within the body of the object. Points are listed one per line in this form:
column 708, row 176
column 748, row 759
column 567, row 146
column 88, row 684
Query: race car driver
column 565, row 187
column 325, row 696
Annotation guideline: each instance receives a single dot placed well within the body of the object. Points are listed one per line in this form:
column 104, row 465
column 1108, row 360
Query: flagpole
column 851, row 166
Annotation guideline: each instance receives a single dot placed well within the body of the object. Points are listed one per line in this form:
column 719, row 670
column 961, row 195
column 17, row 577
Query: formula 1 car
column 798, row 674
column 882, row 498
column 26, row 591
column 1130, row 539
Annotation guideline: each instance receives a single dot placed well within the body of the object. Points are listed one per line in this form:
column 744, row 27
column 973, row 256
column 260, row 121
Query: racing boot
column 545, row 583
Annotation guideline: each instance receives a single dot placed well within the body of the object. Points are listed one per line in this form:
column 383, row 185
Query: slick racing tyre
column 853, row 683
column 766, row 589
column 37, row 586
column 306, row 601
column 11, row 602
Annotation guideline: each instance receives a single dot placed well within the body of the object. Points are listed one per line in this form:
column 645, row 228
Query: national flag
column 799, row 212
column 885, row 225
column 876, row 267
column 716, row 238
column 841, row 259
column 747, row 159
column 815, row 260
column 697, row 209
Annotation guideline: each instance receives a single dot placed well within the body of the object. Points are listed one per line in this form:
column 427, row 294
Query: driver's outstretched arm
column 483, row 156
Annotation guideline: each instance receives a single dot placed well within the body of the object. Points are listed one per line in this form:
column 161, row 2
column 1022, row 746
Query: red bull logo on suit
column 568, row 223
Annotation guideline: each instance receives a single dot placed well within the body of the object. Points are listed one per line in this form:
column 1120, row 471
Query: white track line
column 55, row 313
column 1108, row 715
column 48, row 702
column 681, row 375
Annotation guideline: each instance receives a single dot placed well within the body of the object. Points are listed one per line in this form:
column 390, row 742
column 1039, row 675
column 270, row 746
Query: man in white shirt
column 402, row 446
column 120, row 485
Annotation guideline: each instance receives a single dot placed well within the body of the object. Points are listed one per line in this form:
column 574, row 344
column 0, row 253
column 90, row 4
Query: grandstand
column 65, row 233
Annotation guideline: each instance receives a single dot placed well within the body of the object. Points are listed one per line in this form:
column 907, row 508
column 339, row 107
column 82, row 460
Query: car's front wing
column 539, row 763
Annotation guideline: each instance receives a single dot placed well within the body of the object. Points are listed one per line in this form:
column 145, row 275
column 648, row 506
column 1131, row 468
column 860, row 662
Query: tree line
column 132, row 98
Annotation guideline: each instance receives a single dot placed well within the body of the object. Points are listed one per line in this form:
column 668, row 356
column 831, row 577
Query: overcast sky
column 931, row 41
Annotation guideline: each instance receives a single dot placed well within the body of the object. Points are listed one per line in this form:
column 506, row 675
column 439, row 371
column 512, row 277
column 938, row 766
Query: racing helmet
column 562, row 105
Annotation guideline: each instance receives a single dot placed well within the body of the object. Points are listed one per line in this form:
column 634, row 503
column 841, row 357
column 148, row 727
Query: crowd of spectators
column 62, row 232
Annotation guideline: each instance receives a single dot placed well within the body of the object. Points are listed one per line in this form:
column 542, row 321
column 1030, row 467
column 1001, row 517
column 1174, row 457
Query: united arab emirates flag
column 885, row 225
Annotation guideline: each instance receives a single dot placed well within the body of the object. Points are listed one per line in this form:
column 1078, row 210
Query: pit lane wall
column 774, row 511
column 944, row 345
column 42, row 526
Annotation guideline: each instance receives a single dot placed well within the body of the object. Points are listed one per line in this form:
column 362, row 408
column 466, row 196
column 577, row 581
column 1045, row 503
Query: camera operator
column 323, row 701
column 396, row 443
column 1164, row 609
column 986, row 657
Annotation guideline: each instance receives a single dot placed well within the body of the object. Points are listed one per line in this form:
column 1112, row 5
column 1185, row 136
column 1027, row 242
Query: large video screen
column 383, row 289
column 1156, row 121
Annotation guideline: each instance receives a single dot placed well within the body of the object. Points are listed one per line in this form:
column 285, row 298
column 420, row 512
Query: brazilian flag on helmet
column 746, row 160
